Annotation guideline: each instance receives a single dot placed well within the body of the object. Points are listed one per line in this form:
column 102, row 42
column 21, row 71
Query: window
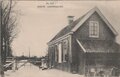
column 65, row 50
column 56, row 53
column 93, row 29
column 60, row 53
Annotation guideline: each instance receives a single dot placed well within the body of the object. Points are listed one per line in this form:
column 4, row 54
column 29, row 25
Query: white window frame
column 94, row 29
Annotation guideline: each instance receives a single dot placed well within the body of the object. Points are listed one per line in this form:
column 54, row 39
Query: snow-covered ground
column 21, row 64
column 30, row 70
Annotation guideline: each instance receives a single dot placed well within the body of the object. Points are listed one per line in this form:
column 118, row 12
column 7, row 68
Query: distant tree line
column 31, row 58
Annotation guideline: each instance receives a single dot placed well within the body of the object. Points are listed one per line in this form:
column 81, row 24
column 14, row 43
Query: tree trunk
column 1, row 64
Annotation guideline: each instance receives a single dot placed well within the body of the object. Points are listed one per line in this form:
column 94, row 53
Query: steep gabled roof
column 101, row 15
column 67, row 29
column 77, row 23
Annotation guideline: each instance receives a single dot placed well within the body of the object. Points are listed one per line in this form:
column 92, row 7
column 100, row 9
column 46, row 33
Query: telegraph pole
column 1, row 64
column 29, row 54
column 29, row 57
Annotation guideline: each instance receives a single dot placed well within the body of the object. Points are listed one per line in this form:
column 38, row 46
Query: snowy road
column 30, row 70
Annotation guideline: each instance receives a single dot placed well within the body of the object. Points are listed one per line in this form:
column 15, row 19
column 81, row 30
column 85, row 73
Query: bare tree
column 9, row 25
column 8, row 28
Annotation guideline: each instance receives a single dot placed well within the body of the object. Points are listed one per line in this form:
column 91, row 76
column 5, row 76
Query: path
column 30, row 70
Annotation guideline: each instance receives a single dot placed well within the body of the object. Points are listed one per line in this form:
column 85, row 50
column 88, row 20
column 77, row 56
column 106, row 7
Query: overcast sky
column 39, row 25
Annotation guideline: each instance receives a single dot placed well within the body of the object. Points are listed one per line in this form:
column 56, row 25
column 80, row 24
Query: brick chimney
column 70, row 19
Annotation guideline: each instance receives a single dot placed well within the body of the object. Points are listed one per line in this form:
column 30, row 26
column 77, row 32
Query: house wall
column 51, row 56
column 104, row 61
column 65, row 66
column 77, row 58
column 83, row 34
column 104, row 32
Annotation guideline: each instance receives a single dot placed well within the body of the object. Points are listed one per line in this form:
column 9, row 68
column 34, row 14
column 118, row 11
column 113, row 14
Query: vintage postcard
column 64, row 38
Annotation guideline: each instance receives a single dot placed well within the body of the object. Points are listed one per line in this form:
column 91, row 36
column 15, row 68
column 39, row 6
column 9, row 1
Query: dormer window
column 94, row 29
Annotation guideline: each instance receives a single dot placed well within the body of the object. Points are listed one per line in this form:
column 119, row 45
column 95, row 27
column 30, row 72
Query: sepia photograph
column 59, row 38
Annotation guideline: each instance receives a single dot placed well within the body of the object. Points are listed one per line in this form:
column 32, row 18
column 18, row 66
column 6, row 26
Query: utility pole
column 22, row 53
column 29, row 54
column 1, row 62
column 29, row 57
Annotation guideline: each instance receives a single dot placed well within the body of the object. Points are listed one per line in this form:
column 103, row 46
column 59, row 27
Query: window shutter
column 60, row 53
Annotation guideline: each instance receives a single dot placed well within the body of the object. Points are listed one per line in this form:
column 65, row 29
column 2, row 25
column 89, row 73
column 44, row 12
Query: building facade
column 86, row 46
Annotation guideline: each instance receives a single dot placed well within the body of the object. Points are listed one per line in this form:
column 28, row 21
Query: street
column 30, row 70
